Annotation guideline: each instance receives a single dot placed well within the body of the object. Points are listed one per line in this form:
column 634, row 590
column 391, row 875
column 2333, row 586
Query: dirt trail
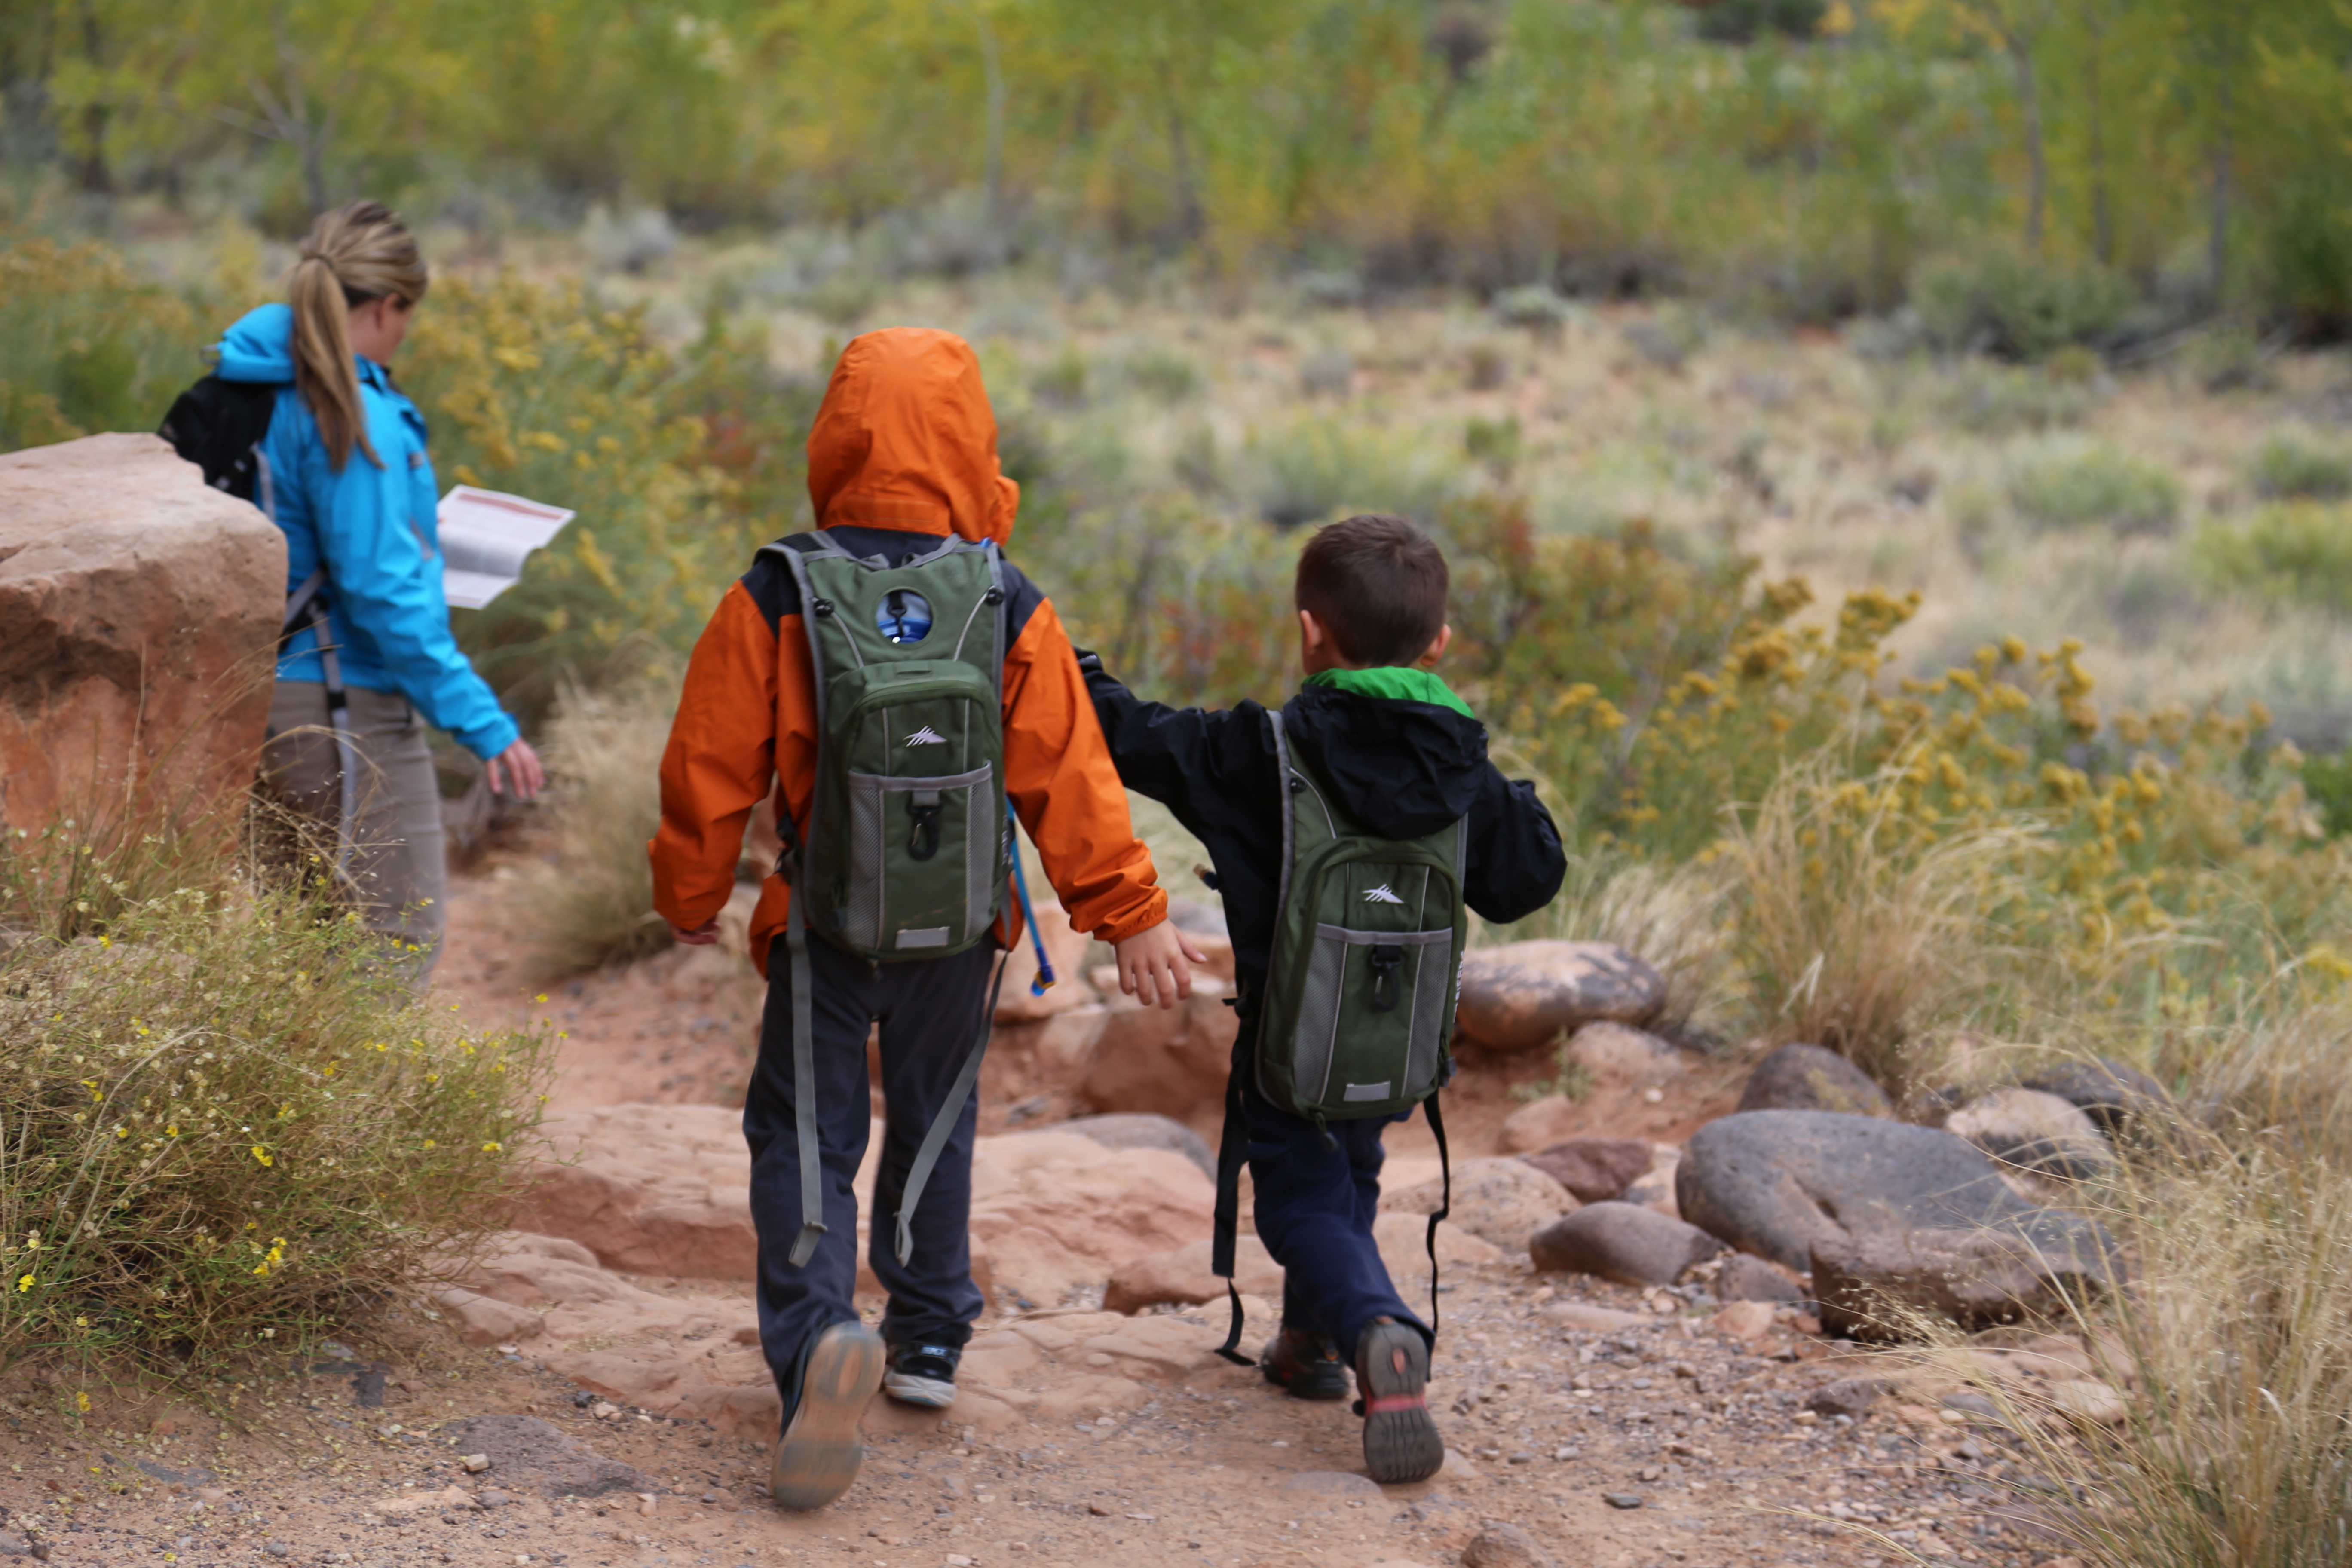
column 1641, row 1441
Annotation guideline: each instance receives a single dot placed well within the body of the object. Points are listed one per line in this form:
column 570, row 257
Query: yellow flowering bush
column 679, row 467
column 2133, row 862
column 228, row 1116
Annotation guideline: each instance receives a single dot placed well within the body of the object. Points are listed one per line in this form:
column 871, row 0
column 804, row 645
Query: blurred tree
column 155, row 75
column 2017, row 27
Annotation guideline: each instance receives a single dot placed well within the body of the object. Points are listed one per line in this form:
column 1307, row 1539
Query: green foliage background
column 1807, row 156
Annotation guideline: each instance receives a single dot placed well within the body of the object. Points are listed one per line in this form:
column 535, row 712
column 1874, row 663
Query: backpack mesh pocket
column 902, row 827
column 1371, row 1014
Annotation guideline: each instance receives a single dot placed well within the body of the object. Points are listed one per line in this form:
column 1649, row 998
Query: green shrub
column 85, row 344
column 1313, row 468
column 1062, row 380
column 2292, row 552
column 2308, row 246
column 2288, row 467
column 1744, row 21
column 1989, row 399
column 1163, row 376
column 2328, row 782
column 1493, row 443
column 2076, row 486
column 227, row 1121
column 2016, row 307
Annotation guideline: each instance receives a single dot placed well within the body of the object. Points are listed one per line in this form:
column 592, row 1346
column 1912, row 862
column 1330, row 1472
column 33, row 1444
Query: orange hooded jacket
column 904, row 446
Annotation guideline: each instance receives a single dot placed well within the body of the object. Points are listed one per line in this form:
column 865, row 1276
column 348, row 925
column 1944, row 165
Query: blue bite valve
column 1044, row 980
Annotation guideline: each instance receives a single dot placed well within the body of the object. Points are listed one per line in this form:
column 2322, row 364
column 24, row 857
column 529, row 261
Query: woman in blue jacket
column 344, row 474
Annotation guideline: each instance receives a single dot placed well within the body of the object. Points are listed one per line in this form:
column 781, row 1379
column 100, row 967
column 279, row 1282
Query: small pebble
column 1621, row 1500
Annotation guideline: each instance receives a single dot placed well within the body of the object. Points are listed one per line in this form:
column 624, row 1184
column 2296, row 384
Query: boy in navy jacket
column 1405, row 757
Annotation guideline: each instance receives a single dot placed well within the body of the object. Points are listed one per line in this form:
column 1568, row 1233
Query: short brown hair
column 1377, row 585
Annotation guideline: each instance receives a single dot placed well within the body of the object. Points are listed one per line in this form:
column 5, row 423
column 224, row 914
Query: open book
column 484, row 538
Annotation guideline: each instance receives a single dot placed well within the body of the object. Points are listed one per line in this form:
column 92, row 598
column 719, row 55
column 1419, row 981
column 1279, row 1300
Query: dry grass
column 593, row 905
column 1853, row 936
column 2234, row 1346
column 1673, row 917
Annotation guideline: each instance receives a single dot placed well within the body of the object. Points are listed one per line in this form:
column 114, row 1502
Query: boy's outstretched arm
column 1060, row 775
column 720, row 761
column 1515, row 861
column 1184, row 758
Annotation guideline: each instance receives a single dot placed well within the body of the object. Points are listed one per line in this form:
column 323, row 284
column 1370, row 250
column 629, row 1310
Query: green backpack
column 907, row 844
column 1368, row 941
column 1357, row 1019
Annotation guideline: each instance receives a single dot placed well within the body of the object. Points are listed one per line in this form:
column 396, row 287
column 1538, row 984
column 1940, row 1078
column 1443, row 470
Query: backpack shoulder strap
column 1288, row 812
column 1233, row 1138
column 805, row 1122
column 1444, row 1201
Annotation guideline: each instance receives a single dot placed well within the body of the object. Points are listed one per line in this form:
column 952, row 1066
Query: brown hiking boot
column 1400, row 1441
column 1305, row 1364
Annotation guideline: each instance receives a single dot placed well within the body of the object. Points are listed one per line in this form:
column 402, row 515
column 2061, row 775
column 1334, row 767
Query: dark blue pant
column 1315, row 1213
column 930, row 1010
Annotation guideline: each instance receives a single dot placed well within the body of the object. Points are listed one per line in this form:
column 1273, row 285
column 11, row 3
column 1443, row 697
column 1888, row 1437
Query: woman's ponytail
column 355, row 254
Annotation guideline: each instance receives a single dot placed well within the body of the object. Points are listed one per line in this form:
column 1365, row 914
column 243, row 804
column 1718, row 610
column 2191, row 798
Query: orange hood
column 906, row 439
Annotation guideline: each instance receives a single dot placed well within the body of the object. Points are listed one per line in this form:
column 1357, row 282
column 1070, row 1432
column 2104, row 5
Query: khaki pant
column 399, row 870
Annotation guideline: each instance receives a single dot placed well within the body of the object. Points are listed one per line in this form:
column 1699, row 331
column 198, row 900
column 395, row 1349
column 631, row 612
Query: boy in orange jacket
column 901, row 456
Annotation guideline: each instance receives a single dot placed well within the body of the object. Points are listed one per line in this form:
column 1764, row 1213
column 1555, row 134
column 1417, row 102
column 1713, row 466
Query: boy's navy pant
column 929, row 1011
column 1315, row 1212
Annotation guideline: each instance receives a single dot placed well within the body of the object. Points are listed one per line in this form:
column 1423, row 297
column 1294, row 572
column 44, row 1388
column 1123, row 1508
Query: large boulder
column 1620, row 1056
column 1167, row 1061
column 1500, row 1200
column 2035, row 1131
column 1057, row 1211
column 694, row 1356
column 1870, row 1284
column 664, row 1189
column 2118, row 1096
column 1595, row 1169
column 652, row 1189
column 1623, row 1242
column 1774, row 1182
column 1524, row 994
column 1807, row 1078
column 1745, row 1277
column 139, row 613
column 1183, row 1276
column 1136, row 1131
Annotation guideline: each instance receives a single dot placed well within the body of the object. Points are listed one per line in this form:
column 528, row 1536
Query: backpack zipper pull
column 1331, row 1144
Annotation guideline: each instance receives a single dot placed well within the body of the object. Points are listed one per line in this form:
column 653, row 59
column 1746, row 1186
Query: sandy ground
column 1648, row 1442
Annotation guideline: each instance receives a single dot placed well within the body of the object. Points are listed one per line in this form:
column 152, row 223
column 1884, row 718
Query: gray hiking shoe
column 818, row 1454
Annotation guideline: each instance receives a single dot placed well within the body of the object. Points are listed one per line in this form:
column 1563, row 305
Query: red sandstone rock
column 139, row 613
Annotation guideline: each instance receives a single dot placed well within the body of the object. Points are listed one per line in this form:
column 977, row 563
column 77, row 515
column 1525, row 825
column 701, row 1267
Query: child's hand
column 1156, row 965
column 702, row 935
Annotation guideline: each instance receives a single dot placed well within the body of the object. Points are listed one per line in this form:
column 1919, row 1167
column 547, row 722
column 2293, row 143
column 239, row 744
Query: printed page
column 486, row 536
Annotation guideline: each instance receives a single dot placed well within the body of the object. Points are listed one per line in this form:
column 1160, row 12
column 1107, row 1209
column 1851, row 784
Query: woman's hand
column 518, row 765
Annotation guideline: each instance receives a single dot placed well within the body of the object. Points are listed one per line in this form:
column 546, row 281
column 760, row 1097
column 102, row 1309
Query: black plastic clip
column 1386, row 962
column 923, row 841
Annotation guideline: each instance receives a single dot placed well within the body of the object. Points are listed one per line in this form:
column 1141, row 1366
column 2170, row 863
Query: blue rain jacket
column 374, row 526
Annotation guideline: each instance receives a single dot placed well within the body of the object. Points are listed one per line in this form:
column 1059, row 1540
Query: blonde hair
column 359, row 252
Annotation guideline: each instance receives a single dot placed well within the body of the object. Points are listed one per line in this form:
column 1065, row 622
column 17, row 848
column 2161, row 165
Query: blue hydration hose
column 1045, row 977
